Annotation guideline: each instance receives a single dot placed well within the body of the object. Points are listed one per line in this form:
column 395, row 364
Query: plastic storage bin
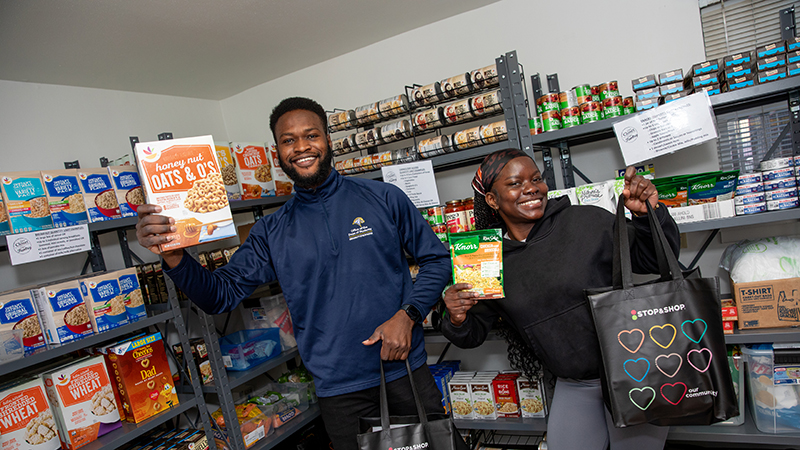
column 735, row 364
column 247, row 348
column 775, row 408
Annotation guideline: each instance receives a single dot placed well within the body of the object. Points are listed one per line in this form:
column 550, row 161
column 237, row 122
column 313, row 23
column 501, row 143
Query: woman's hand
column 637, row 191
column 458, row 301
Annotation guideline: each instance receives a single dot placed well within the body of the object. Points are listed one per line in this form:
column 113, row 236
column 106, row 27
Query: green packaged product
column 673, row 191
column 477, row 258
column 712, row 187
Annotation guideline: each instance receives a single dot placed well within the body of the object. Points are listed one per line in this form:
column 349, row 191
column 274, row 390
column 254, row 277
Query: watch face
column 412, row 312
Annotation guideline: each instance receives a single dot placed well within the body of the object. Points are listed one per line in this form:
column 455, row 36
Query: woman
column 552, row 251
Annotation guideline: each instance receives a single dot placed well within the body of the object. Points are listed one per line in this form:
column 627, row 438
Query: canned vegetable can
column 591, row 112
column 583, row 93
column 547, row 102
column 551, row 120
column 535, row 125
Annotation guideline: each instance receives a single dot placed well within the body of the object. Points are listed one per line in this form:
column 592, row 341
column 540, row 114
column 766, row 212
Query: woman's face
column 519, row 193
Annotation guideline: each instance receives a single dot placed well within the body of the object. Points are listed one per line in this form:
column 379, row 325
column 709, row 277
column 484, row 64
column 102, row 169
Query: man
column 337, row 250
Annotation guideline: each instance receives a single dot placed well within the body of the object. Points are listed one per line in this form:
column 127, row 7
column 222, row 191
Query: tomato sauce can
column 551, row 121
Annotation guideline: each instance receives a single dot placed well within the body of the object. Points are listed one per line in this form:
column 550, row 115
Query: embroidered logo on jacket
column 359, row 230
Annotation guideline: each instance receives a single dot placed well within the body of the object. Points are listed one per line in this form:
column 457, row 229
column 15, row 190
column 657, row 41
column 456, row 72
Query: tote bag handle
column 423, row 418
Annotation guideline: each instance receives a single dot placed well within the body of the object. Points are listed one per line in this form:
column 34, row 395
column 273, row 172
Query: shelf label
column 416, row 180
column 666, row 129
column 40, row 245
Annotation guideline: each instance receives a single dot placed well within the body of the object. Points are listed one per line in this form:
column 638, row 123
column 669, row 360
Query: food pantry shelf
column 763, row 336
column 740, row 221
column 747, row 433
column 238, row 378
column 531, row 425
column 287, row 430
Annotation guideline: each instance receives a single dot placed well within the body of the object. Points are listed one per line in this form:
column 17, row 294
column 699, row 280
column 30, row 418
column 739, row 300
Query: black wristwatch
column 412, row 312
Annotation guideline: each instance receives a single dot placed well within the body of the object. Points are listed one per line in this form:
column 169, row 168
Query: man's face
column 303, row 148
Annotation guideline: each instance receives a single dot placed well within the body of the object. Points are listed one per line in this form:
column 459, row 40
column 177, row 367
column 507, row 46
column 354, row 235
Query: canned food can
column 612, row 107
column 608, row 94
column 591, row 112
column 777, row 163
column 344, row 145
column 427, row 119
column 363, row 163
column 339, row 166
column 626, row 110
column 436, row 215
column 368, row 113
column 368, row 138
column 486, row 103
column 494, row 132
column 797, row 162
column 455, row 86
column 433, row 146
column 749, row 199
column 471, row 137
column 752, row 188
column 404, row 155
column 551, row 120
column 385, row 159
column 570, row 117
column 485, row 77
column 458, row 111
column 613, row 101
column 567, row 100
column 784, row 183
column 608, row 86
column 535, row 125
column 393, row 106
column 342, row 120
column 628, row 102
column 583, row 93
column 396, row 131
column 779, row 205
column 596, row 98
column 425, row 95
column 777, row 174
column 780, row 194
column 547, row 102
column 345, row 165
column 441, row 231
column 750, row 209
column 749, row 178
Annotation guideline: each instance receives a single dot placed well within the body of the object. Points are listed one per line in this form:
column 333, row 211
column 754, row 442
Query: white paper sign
column 416, row 180
column 666, row 129
column 40, row 245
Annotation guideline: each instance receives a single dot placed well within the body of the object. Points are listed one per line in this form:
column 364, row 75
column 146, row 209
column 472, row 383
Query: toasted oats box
column 63, row 312
column 183, row 177
column 227, row 166
column 64, row 197
column 18, row 311
column 83, row 401
column 283, row 185
column 132, row 292
column 26, row 420
column 144, row 375
column 99, row 195
column 127, row 188
column 105, row 302
column 254, row 169
column 26, row 201
column 5, row 228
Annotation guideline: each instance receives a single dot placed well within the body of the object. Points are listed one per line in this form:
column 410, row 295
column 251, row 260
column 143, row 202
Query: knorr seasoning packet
column 712, row 187
column 477, row 258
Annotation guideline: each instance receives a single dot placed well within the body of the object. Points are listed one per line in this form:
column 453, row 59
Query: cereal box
column 145, row 377
column 4, row 226
column 26, row 420
column 531, row 397
column 254, row 169
column 26, row 202
column 83, row 401
column 130, row 289
column 283, row 185
column 17, row 311
column 64, row 197
column 127, row 188
column 183, row 177
column 477, row 258
column 63, row 312
column 228, row 169
column 104, row 301
column 99, row 195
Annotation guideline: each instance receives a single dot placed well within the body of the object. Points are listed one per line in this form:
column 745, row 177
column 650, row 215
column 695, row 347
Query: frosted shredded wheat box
column 26, row 420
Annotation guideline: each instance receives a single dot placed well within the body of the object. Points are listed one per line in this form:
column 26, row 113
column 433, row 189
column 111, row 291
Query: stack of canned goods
column 456, row 216
column 773, row 188
column 580, row 105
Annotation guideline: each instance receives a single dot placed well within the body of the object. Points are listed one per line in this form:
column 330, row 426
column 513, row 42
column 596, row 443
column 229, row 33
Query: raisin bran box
column 26, row 420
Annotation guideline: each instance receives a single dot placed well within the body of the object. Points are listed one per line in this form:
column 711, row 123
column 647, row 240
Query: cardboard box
column 64, row 197
column 768, row 304
column 727, row 327
column 743, row 81
column 729, row 314
column 771, row 62
column 647, row 81
column 706, row 211
column 127, row 188
column 283, row 185
column 672, row 97
column 645, row 94
column 744, row 58
column 791, row 70
column 531, row 397
column 738, row 70
column 706, row 79
column 31, row 427
column 704, row 68
column 26, row 201
column 254, row 170
column 673, row 76
column 227, row 166
column 671, row 88
column 18, row 311
column 132, row 292
column 99, row 194
column 104, row 301
column 711, row 89
column 5, row 228
column 771, row 75
column 63, row 312
column 775, row 48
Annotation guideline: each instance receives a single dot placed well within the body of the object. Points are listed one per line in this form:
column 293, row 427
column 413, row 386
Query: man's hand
column 458, row 301
column 152, row 230
column 637, row 191
column 396, row 336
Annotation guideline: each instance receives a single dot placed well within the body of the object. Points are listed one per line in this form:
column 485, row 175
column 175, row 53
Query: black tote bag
column 422, row 431
column 662, row 345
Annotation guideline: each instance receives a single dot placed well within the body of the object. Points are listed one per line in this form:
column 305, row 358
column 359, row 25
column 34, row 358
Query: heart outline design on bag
column 680, row 364
column 661, row 327
column 673, row 385
column 619, row 339
column 636, row 361
column 683, row 330
column 646, row 388
column 708, row 364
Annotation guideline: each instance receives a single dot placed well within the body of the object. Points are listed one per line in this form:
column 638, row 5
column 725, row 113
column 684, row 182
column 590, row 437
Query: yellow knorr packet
column 477, row 258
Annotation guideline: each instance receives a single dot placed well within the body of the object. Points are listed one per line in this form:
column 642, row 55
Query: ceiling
column 209, row 49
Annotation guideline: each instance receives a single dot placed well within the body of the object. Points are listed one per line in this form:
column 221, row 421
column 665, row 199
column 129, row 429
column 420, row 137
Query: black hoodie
column 568, row 250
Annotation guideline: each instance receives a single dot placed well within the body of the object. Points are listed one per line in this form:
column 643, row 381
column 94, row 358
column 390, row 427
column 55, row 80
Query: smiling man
column 337, row 250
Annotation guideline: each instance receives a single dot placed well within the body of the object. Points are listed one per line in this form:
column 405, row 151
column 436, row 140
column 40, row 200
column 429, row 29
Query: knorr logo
column 702, row 186
column 466, row 246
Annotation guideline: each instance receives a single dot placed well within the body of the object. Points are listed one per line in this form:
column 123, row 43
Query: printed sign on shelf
column 416, row 180
column 40, row 245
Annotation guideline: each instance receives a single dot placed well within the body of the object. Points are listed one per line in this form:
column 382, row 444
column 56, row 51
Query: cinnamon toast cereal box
column 183, row 177
column 227, row 166
column 283, row 185
column 83, row 401
column 26, row 202
column 105, row 302
column 254, row 169
column 63, row 312
column 145, row 377
column 127, row 188
column 64, row 197
column 99, row 195
column 18, row 311
column 26, row 420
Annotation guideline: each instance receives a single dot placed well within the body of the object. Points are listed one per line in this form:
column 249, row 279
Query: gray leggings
column 579, row 420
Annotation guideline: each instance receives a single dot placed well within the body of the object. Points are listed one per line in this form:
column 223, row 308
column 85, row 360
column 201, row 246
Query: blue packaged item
column 771, row 49
column 737, row 71
column 738, row 59
column 64, row 197
column 128, row 189
column 644, row 94
column 793, row 57
column 25, row 201
column 104, row 301
column 705, row 67
column 63, row 312
column 644, row 82
column 672, row 88
column 130, row 289
column 17, row 312
column 793, row 69
column 741, row 82
column 99, row 195
column 673, row 76
column 771, row 62
column 247, row 348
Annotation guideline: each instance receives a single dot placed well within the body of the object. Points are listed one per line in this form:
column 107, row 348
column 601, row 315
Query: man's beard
column 313, row 180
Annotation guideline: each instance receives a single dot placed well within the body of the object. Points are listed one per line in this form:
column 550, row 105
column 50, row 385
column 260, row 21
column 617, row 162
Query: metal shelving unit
column 741, row 221
column 289, row 429
column 747, row 433
column 236, row 379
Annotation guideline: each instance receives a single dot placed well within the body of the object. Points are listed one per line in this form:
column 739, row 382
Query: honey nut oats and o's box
column 18, row 312
column 26, row 202
column 283, row 185
column 183, row 177
column 127, row 188
column 254, row 169
column 26, row 420
column 227, row 166
column 63, row 312
column 98, row 194
column 105, row 302
column 83, row 402
column 64, row 197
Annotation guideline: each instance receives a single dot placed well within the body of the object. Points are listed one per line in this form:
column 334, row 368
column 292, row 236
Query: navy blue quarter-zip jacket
column 337, row 252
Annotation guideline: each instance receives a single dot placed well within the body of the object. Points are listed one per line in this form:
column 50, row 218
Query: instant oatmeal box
column 228, row 169
column 99, row 195
column 254, row 169
column 26, row 420
column 26, row 202
column 18, row 312
column 183, row 177
column 145, row 380
column 63, row 312
column 127, row 188
column 64, row 197
column 105, row 302
column 4, row 227
column 83, row 401
column 132, row 292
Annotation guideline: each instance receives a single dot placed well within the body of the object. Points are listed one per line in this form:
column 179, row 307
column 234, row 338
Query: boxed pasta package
column 99, row 195
column 227, row 166
column 26, row 202
column 183, row 177
column 26, row 420
column 18, row 312
column 64, row 197
column 63, row 312
column 127, row 188
column 83, row 401
column 477, row 258
column 283, row 185
column 254, row 169
column 105, row 302
column 132, row 294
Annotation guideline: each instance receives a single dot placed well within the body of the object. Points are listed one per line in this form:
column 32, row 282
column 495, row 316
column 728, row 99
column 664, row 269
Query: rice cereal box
column 144, row 375
column 64, row 197
column 104, row 301
column 132, row 292
column 26, row 420
column 127, row 188
column 183, row 177
column 254, row 169
column 26, row 202
column 283, row 185
column 227, row 166
column 83, row 401
column 4, row 226
column 17, row 311
column 63, row 312
column 477, row 258
column 99, row 195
